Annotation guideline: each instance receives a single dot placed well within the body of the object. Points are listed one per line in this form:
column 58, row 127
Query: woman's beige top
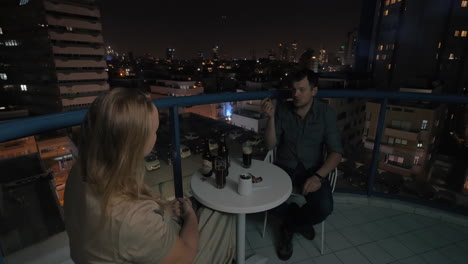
column 136, row 232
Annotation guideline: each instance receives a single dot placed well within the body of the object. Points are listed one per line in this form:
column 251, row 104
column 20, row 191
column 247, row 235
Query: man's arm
column 270, row 130
column 332, row 161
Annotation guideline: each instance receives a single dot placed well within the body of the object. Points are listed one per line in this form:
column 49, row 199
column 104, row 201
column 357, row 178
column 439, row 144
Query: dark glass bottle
column 207, row 166
column 224, row 152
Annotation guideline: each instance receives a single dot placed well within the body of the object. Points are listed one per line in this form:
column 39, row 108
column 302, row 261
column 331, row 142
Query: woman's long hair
column 111, row 148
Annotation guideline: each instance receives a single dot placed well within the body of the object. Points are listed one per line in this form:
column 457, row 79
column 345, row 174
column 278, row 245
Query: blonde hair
column 113, row 136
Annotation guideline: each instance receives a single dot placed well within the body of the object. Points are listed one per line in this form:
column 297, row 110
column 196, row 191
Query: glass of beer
column 247, row 154
column 220, row 170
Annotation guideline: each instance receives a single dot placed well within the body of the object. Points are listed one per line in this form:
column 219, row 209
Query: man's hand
column 268, row 107
column 312, row 184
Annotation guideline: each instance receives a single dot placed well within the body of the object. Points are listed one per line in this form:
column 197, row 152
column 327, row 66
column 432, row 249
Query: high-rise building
column 200, row 55
column 283, row 52
column 419, row 43
column 293, row 56
column 216, row 53
column 323, row 56
column 350, row 48
column 170, row 53
column 52, row 54
column 410, row 138
column 271, row 54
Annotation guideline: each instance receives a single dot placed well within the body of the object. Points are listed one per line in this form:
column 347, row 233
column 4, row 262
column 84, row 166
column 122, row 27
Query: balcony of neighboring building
column 85, row 50
column 81, row 37
column 85, row 75
column 170, row 91
column 73, row 22
column 77, row 89
column 69, row 8
column 78, row 102
column 63, row 63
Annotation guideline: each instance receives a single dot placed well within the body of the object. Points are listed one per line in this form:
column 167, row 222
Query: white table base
column 240, row 259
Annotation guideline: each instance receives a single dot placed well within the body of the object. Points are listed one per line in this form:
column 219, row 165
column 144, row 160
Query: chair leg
column 264, row 224
column 323, row 234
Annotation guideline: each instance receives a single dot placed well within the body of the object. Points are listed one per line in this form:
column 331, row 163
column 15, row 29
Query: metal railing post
column 376, row 150
column 175, row 153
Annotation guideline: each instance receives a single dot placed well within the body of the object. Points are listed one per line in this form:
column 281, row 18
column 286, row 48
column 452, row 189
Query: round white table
column 275, row 189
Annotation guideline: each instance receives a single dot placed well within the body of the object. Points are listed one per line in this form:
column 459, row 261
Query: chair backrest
column 332, row 176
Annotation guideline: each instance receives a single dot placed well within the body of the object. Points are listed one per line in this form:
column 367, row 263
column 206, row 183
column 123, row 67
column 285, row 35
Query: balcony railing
column 34, row 125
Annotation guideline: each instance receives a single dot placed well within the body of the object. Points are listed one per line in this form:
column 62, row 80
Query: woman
column 110, row 214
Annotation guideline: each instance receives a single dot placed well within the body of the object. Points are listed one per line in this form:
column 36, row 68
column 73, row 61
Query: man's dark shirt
column 302, row 140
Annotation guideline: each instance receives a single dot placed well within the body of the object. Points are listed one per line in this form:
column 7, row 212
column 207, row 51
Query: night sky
column 238, row 26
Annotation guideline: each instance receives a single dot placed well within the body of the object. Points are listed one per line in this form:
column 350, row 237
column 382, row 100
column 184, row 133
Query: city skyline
column 239, row 30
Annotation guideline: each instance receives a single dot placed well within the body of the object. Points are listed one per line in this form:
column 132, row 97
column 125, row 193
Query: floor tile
column 299, row 254
column 374, row 231
column 395, row 248
column 434, row 257
column 256, row 241
column 338, row 220
column 313, row 246
column 355, row 217
column 414, row 243
column 351, row 256
column 375, row 253
column 336, row 241
column 355, row 235
column 455, row 253
column 413, row 260
column 389, row 226
column 431, row 237
column 328, row 259
column 449, row 232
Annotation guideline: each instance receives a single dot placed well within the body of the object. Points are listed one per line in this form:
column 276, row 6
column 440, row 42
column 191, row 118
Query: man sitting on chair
column 299, row 130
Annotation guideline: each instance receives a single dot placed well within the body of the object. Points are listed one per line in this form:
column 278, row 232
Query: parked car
column 152, row 162
column 212, row 144
column 185, row 151
column 234, row 134
column 255, row 140
column 191, row 136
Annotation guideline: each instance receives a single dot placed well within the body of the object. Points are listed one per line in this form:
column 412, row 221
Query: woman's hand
column 182, row 207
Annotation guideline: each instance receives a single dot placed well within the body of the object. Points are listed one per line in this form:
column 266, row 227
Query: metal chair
column 332, row 176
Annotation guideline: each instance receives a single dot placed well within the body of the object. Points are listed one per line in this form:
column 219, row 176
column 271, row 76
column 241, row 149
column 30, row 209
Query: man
column 299, row 130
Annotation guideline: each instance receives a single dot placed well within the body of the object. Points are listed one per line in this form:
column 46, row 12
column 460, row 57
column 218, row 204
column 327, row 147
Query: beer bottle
column 207, row 166
column 223, row 152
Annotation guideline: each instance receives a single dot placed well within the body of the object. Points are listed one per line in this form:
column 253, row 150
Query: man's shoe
column 284, row 249
column 308, row 232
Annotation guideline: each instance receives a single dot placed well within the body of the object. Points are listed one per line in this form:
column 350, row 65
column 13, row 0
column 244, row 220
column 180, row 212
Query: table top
column 275, row 189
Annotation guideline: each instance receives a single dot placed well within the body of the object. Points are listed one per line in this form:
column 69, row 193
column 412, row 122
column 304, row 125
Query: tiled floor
column 370, row 233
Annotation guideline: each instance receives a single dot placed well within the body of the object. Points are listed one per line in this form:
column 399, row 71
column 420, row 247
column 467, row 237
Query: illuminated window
column 424, row 125
column 1, row 31
column 384, row 57
column 380, row 47
column 440, row 45
column 420, row 144
column 393, row 1
column 451, row 56
column 389, row 66
column 391, row 140
column 24, row 87
column 69, row 29
column 11, row 43
column 385, row 13
column 416, row 160
column 464, row 3
column 377, row 57
column 3, row 76
column 456, row 33
column 464, row 33
column 23, row 2
column 387, row 2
